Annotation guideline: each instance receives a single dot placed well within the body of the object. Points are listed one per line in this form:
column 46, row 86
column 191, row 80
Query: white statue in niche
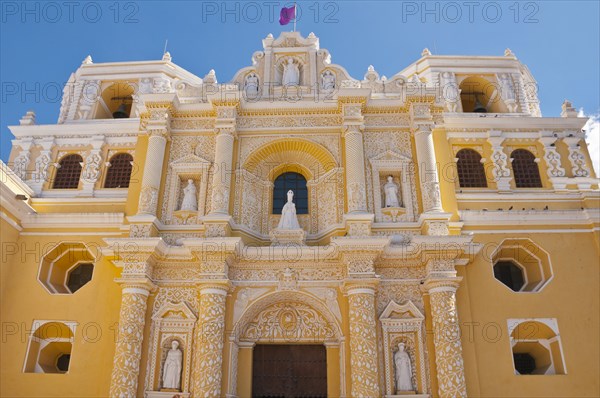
column 291, row 73
column 190, row 202
column 289, row 219
column 391, row 193
column 403, row 370
column 172, row 367
column 251, row 85
column 328, row 81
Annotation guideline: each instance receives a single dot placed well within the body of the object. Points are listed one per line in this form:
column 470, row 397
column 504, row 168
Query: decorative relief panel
column 289, row 321
column 176, row 294
column 266, row 122
column 250, row 144
column 265, row 273
column 387, row 120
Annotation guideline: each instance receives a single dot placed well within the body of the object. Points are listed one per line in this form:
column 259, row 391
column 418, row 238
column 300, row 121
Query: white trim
column 73, row 220
column 10, row 221
column 99, row 233
column 135, row 290
column 360, row 290
column 212, row 290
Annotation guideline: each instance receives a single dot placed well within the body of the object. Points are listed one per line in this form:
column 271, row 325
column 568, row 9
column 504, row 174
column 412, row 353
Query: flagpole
column 295, row 15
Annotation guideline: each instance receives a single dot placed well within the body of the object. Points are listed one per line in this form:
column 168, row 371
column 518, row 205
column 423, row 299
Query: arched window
column 68, row 172
column 119, row 171
column 297, row 183
column 525, row 169
column 470, row 170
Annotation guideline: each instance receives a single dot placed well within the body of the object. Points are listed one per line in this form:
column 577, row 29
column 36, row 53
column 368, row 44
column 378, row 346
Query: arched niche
column 173, row 321
column 403, row 323
column 254, row 185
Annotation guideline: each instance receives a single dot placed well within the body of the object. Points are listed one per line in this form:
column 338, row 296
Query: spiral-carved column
column 128, row 350
column 208, row 341
column 157, row 142
column 446, row 329
column 363, row 341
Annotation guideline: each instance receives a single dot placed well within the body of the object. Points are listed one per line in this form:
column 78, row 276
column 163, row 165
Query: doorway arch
column 286, row 317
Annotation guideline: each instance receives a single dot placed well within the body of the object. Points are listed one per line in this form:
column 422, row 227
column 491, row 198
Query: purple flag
column 287, row 14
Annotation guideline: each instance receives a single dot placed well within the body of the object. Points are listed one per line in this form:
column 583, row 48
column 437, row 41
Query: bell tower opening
column 286, row 371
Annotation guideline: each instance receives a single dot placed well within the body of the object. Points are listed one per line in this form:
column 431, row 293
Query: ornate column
column 359, row 255
column 134, row 258
column 441, row 284
column 500, row 171
column 209, row 339
column 158, row 128
column 217, row 222
column 214, row 257
column 554, row 169
column 21, row 161
column 355, row 158
column 422, row 126
column 128, row 351
column 363, row 338
column 576, row 157
column 91, row 166
column 42, row 163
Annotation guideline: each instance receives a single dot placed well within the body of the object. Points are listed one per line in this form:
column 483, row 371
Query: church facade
column 300, row 232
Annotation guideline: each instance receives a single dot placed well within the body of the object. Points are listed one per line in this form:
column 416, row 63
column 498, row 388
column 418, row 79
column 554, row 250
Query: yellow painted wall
column 571, row 297
column 95, row 307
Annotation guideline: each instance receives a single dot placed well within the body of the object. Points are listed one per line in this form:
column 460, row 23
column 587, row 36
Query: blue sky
column 42, row 42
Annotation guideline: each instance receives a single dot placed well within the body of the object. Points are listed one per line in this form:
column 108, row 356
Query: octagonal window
column 49, row 347
column 66, row 268
column 79, row 276
column 62, row 363
column 524, row 363
column 510, row 274
column 536, row 347
column 521, row 265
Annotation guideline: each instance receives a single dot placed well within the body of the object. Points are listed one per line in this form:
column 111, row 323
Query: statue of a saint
column 172, row 367
column 328, row 81
column 291, row 74
column 289, row 220
column 391, row 193
column 190, row 202
column 251, row 85
column 403, row 370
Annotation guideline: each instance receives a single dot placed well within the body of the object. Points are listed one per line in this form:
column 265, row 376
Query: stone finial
column 312, row 35
column 509, row 53
column 211, row 77
column 425, row 52
column 167, row 56
column 371, row 68
column 568, row 110
column 87, row 60
column 270, row 36
column 28, row 119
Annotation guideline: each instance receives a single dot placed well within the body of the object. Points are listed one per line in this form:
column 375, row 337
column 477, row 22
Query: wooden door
column 289, row 371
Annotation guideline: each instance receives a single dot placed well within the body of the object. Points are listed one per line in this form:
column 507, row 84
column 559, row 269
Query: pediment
column 291, row 40
column 407, row 310
column 175, row 311
column 388, row 156
column 190, row 159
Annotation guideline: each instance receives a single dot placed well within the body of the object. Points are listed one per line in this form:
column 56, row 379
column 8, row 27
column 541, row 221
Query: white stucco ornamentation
column 363, row 346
